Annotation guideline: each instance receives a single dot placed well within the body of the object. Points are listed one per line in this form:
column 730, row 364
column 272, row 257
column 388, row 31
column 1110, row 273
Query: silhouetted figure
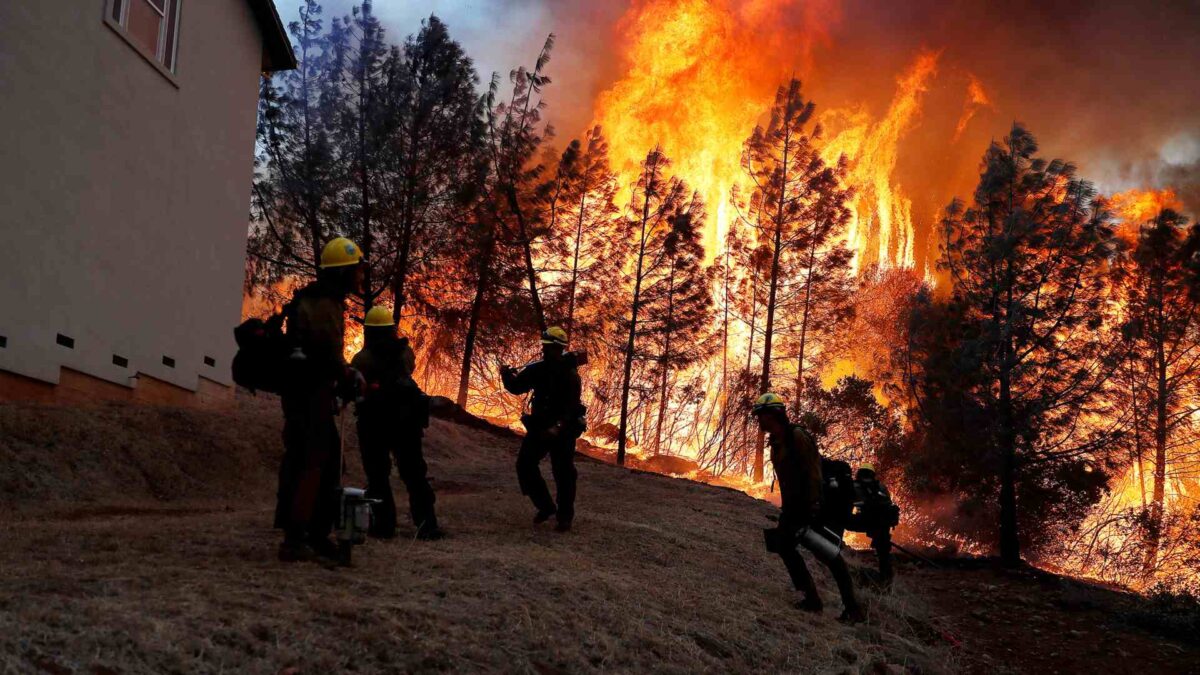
column 798, row 469
column 875, row 515
column 392, row 416
column 316, row 373
column 554, row 421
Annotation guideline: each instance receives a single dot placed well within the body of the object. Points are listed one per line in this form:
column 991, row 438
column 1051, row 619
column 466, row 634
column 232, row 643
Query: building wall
column 123, row 194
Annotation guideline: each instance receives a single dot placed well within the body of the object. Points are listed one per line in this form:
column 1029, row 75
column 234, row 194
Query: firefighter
column 554, row 422
column 392, row 416
column 316, row 378
column 798, row 469
column 875, row 514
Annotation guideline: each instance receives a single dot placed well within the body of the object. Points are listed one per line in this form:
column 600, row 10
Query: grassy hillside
column 151, row 552
column 138, row 540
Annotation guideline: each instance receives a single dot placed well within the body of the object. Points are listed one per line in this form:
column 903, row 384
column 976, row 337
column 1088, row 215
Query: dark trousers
column 802, row 578
column 562, row 465
column 306, row 501
column 881, row 542
column 379, row 445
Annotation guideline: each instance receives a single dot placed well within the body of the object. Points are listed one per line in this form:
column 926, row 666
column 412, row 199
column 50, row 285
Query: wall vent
column 210, row 362
column 68, row 342
column 3, row 341
column 168, row 362
column 120, row 361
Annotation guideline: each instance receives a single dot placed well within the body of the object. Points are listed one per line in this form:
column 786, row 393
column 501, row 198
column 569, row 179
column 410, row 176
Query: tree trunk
column 768, row 332
column 575, row 261
column 482, row 284
column 666, row 359
column 1160, row 445
column 1010, row 542
column 527, row 249
column 623, row 425
column 723, row 398
column 812, row 258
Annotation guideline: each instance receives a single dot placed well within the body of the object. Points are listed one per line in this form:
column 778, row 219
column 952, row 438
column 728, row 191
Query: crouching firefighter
column 875, row 514
column 392, row 416
column 555, row 420
column 798, row 468
column 315, row 378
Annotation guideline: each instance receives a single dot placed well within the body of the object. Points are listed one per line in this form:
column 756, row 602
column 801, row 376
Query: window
column 65, row 341
column 150, row 24
column 120, row 361
column 210, row 362
column 168, row 362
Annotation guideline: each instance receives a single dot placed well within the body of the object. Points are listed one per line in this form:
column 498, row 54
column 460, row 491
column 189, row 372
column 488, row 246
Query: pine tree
column 362, row 126
column 1027, row 265
column 514, row 136
column 1162, row 331
column 432, row 156
column 677, row 305
column 797, row 206
column 656, row 201
column 294, row 210
column 592, row 255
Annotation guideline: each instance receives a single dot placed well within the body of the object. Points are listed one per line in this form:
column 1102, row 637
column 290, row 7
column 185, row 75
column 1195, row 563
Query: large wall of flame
column 918, row 88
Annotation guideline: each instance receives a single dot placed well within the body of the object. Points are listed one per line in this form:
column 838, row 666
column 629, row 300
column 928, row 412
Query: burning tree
column 516, row 187
column 1162, row 337
column 677, row 305
column 656, row 205
column 797, row 208
column 1025, row 358
column 588, row 255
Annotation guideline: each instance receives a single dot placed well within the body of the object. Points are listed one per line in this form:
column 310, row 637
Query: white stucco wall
column 123, row 197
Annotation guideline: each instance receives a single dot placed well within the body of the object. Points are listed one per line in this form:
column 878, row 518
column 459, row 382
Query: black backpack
column 875, row 504
column 837, row 491
column 261, row 360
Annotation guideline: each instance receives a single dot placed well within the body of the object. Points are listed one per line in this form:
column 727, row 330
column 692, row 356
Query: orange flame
column 698, row 75
column 976, row 99
column 1138, row 206
column 881, row 228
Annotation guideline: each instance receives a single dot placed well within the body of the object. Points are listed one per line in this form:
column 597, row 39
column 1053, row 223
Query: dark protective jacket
column 798, row 468
column 557, row 391
column 392, row 396
column 316, row 324
column 874, row 509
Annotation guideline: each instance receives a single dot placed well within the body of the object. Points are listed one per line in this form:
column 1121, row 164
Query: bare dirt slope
column 138, row 540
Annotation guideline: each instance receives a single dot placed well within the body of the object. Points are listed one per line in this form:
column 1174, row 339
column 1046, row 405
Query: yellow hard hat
column 768, row 401
column 340, row 252
column 867, row 467
column 554, row 336
column 379, row 316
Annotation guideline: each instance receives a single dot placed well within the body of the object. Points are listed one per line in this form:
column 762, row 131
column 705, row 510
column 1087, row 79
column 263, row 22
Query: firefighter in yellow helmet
column 393, row 413
column 307, row 504
column 797, row 464
column 875, row 514
column 555, row 420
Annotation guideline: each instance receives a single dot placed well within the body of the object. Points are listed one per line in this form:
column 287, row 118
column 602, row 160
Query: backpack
column 837, row 491
column 875, row 504
column 261, row 360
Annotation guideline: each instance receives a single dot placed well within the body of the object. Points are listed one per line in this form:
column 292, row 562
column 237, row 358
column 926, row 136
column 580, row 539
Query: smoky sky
column 1112, row 86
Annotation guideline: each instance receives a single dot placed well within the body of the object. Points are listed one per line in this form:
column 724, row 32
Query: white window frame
column 157, row 58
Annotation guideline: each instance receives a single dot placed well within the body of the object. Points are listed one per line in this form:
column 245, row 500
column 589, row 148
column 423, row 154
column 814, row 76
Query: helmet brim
column 346, row 263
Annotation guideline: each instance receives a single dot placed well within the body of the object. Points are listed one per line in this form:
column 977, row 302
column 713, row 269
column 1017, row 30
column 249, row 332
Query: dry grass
column 659, row 575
